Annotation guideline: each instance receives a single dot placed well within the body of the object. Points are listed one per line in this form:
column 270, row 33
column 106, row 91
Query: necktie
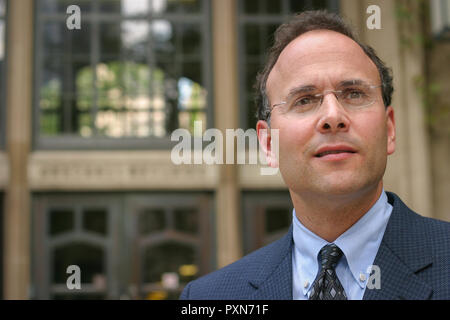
column 327, row 286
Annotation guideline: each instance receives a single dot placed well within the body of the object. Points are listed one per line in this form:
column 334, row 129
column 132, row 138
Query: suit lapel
column 274, row 280
column 403, row 254
column 397, row 281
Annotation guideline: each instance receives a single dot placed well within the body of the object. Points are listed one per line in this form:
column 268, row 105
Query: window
column 171, row 243
column 258, row 20
column 3, row 9
column 133, row 73
column 267, row 217
column 138, row 246
column 80, row 231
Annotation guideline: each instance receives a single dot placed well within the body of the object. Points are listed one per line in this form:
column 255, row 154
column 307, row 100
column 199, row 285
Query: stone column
column 226, row 105
column 18, row 134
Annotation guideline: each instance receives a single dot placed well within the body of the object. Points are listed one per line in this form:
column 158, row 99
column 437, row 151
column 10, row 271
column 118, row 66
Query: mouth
column 328, row 152
column 335, row 152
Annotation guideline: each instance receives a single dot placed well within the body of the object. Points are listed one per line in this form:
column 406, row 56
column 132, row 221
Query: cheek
column 294, row 138
column 372, row 131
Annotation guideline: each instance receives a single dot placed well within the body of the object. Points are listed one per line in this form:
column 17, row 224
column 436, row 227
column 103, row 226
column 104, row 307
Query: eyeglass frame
column 322, row 95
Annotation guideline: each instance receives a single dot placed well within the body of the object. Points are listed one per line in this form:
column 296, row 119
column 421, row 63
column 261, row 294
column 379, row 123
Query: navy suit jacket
column 414, row 262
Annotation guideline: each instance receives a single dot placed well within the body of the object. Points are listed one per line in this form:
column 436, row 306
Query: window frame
column 42, row 265
column 254, row 204
column 123, row 243
column 206, row 250
column 76, row 142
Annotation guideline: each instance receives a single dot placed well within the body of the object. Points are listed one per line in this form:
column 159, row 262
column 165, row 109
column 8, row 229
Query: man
column 330, row 98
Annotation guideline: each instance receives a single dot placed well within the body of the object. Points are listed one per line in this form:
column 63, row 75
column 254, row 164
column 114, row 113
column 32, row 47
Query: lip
column 347, row 151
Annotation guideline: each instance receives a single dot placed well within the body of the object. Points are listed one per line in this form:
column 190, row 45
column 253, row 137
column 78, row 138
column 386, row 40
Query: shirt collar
column 359, row 243
column 308, row 245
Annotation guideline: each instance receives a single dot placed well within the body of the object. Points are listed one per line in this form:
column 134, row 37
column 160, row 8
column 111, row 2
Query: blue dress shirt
column 359, row 244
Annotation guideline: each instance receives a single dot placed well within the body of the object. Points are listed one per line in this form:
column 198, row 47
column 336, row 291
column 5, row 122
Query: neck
column 330, row 216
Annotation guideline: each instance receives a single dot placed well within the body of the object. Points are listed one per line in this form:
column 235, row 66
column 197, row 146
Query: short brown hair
column 300, row 24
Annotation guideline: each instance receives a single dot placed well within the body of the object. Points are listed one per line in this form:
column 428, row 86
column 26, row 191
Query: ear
column 390, row 125
column 268, row 146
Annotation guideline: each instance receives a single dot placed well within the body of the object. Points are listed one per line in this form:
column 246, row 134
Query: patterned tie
column 327, row 285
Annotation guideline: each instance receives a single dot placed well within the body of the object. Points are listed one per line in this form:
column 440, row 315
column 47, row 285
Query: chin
column 347, row 187
column 339, row 187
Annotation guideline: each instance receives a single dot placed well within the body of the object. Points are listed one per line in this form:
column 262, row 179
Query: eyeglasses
column 352, row 95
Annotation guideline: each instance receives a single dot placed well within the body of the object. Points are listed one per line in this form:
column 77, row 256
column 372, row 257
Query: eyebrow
column 309, row 87
column 301, row 89
column 352, row 82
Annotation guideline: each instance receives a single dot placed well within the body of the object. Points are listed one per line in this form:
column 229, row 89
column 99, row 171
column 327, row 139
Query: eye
column 305, row 101
column 354, row 94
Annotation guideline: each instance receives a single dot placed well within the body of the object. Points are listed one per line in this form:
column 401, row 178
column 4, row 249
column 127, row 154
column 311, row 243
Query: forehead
column 320, row 58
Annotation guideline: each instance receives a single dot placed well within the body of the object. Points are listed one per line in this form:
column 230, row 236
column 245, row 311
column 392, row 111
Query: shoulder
column 234, row 280
column 438, row 234
column 407, row 227
column 423, row 226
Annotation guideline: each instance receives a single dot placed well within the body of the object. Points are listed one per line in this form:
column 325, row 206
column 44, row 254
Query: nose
column 333, row 116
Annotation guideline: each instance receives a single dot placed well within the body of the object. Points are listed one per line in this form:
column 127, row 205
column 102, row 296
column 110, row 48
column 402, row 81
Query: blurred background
column 86, row 117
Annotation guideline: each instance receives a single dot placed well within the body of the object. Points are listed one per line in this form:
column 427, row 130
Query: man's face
column 323, row 59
